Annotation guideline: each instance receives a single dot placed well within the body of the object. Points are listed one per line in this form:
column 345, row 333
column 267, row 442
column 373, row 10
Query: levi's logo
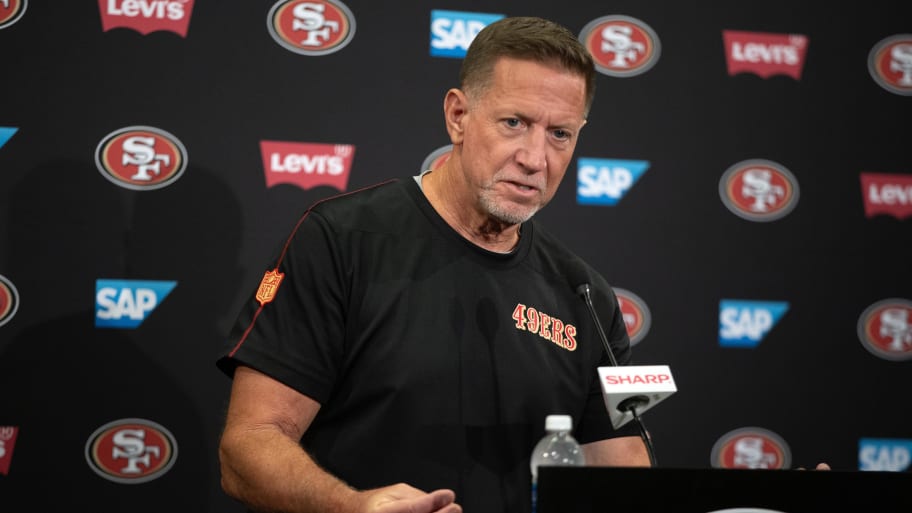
column 307, row 165
column 887, row 194
column 146, row 16
column 7, row 444
column 765, row 54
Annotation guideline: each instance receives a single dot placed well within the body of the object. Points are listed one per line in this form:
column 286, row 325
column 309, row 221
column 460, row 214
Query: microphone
column 629, row 390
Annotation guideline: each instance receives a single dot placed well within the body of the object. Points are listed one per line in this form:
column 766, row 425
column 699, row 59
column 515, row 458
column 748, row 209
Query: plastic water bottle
column 557, row 448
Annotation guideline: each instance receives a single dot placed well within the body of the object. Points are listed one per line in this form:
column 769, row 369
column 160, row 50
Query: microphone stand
column 631, row 403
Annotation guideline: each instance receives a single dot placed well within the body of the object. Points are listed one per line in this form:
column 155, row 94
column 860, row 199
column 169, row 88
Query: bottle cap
column 558, row 423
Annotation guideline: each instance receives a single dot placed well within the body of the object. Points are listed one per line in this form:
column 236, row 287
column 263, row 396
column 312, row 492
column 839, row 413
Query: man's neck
column 481, row 230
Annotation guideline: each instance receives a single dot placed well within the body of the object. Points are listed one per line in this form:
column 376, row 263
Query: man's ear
column 455, row 107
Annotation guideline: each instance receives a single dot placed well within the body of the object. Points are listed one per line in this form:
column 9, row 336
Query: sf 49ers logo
column 131, row 451
column 316, row 27
column 436, row 158
column 751, row 447
column 9, row 300
column 759, row 190
column 11, row 11
column 890, row 64
column 637, row 317
column 621, row 46
column 885, row 329
column 141, row 158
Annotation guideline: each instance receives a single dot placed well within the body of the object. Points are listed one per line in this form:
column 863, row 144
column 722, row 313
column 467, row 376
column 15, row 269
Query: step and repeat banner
column 744, row 182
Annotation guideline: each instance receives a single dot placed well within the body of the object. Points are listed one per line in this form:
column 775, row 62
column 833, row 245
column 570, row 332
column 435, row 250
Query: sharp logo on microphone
column 311, row 27
column 645, row 385
column 9, row 300
column 130, row 451
column 765, row 54
column 637, row 317
column 890, row 64
column 436, row 158
column 745, row 323
column 759, row 190
column 621, row 46
column 146, row 16
column 6, row 133
column 452, row 31
column 141, row 158
column 751, row 448
column 884, row 454
column 885, row 329
column 639, row 379
column 11, row 11
column 606, row 181
column 887, row 194
column 307, row 165
column 7, row 444
column 127, row 303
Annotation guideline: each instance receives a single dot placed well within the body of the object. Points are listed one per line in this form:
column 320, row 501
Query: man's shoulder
column 376, row 207
column 553, row 257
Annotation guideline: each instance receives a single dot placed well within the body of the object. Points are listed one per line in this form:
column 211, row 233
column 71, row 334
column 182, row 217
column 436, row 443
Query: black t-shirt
column 435, row 361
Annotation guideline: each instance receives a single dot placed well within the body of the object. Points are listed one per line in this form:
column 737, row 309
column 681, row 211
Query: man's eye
column 512, row 122
column 562, row 135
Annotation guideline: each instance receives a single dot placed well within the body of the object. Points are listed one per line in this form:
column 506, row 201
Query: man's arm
column 264, row 466
column 624, row 451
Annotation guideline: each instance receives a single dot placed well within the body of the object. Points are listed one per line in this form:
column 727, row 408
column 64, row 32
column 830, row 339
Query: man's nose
column 532, row 155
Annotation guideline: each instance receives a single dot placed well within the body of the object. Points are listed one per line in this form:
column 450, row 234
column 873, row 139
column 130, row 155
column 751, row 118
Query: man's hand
column 402, row 498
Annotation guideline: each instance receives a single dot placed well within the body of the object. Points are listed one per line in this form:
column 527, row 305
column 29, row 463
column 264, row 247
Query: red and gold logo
column 759, row 190
column 751, row 448
column 621, row 46
column 268, row 286
column 890, row 64
column 9, row 300
column 436, row 158
column 146, row 16
column 141, row 158
column 311, row 27
column 131, row 451
column 11, row 11
column 637, row 317
column 885, row 329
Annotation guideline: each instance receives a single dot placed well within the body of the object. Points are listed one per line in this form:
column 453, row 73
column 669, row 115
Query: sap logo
column 745, row 323
column 605, row 181
column 884, row 454
column 453, row 31
column 127, row 303
column 6, row 133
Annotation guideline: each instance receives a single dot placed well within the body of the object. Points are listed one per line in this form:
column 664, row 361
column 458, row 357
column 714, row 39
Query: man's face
column 519, row 134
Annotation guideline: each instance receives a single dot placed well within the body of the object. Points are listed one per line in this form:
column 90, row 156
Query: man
column 407, row 343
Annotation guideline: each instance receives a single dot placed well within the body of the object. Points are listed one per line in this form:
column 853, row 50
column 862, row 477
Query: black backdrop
column 66, row 84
